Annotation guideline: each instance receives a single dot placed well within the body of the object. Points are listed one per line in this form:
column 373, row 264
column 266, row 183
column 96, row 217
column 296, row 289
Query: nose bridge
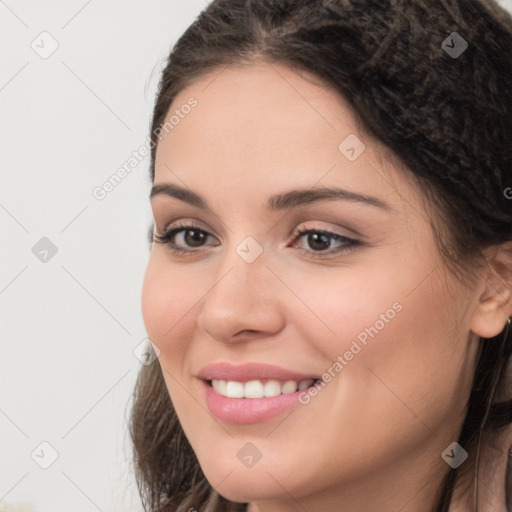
column 242, row 296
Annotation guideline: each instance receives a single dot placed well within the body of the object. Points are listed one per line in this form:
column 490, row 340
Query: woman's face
column 308, row 253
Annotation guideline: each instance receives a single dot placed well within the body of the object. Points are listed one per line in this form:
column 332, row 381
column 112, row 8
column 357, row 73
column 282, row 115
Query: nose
column 244, row 301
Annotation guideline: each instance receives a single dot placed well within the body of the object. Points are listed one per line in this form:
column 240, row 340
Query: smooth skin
column 372, row 439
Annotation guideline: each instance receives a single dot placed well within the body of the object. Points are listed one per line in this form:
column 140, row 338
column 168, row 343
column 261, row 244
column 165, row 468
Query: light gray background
column 70, row 324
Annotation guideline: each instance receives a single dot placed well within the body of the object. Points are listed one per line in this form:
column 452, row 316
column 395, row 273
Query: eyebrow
column 282, row 201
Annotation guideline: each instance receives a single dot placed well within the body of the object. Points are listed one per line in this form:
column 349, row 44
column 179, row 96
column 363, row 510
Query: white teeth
column 290, row 386
column 272, row 388
column 304, row 384
column 258, row 389
column 234, row 389
column 253, row 389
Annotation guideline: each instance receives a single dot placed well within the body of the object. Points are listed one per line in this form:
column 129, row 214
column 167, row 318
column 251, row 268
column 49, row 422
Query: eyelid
column 313, row 226
column 174, row 214
column 184, row 224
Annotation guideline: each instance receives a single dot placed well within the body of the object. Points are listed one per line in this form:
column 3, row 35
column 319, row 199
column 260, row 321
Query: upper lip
column 251, row 371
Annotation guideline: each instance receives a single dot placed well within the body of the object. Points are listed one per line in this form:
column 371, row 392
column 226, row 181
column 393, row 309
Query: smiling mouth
column 259, row 388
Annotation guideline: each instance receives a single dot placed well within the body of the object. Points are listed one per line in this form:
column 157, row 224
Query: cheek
column 166, row 298
column 345, row 307
column 154, row 303
column 166, row 303
column 392, row 340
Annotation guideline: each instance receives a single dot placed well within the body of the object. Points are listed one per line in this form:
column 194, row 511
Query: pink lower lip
column 247, row 410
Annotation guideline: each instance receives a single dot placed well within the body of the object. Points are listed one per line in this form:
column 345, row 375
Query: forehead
column 264, row 126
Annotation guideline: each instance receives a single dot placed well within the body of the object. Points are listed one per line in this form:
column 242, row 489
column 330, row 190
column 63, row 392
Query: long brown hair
column 447, row 119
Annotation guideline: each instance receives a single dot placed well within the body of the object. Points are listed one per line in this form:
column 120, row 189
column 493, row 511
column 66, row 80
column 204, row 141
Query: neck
column 488, row 491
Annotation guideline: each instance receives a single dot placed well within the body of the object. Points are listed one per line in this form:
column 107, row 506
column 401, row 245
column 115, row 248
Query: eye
column 324, row 243
column 183, row 238
column 185, row 234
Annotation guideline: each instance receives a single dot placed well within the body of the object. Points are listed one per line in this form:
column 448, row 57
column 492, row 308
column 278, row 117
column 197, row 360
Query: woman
column 330, row 282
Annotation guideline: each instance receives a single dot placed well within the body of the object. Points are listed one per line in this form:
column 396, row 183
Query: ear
column 495, row 302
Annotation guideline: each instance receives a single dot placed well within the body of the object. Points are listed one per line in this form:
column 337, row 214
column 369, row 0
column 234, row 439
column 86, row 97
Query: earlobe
column 495, row 302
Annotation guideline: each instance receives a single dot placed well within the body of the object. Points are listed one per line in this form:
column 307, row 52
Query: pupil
column 315, row 243
column 196, row 239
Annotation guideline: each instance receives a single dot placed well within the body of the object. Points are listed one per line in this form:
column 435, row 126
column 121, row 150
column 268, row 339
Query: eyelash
column 349, row 243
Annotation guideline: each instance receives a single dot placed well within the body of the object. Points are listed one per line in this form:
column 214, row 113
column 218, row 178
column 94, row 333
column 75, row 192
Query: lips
column 251, row 392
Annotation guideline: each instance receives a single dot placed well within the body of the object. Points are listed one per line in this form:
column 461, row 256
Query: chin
column 243, row 490
column 261, row 482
